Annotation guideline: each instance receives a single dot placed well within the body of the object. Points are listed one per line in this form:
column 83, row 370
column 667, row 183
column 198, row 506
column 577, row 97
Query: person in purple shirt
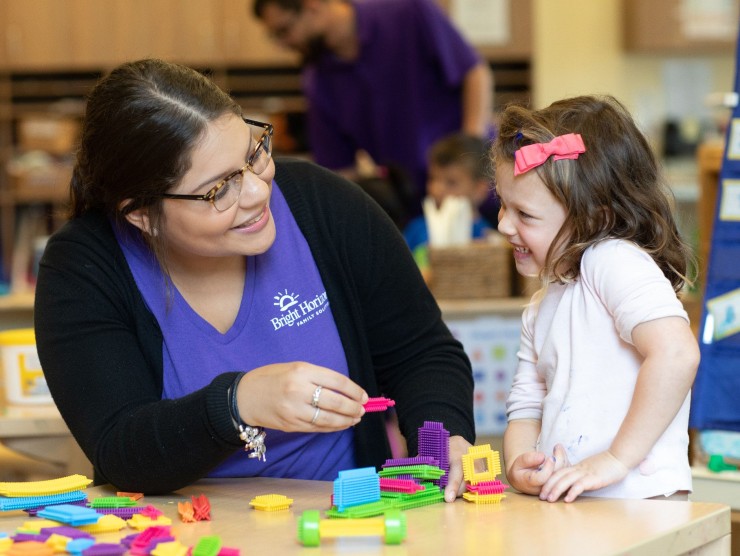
column 205, row 300
column 388, row 77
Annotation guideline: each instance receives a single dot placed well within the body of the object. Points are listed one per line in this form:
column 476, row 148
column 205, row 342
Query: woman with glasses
column 208, row 311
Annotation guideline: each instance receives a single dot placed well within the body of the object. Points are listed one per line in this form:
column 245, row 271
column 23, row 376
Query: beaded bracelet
column 253, row 437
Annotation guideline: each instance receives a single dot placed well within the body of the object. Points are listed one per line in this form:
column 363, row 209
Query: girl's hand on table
column 455, row 482
column 531, row 470
column 597, row 471
column 281, row 396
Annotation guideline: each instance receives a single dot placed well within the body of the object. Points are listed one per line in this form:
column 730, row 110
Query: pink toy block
column 378, row 404
column 406, row 486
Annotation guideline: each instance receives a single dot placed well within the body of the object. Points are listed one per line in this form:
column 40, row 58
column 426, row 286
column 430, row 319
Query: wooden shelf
column 53, row 57
column 504, row 306
column 269, row 91
column 17, row 302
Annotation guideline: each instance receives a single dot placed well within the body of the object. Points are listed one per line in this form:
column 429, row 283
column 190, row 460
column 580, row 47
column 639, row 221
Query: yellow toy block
column 69, row 483
column 141, row 522
column 483, row 498
column 491, row 460
column 58, row 543
column 109, row 523
column 271, row 502
column 34, row 526
column 172, row 548
column 5, row 544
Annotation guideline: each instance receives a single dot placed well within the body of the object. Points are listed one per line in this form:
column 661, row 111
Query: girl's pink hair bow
column 562, row 146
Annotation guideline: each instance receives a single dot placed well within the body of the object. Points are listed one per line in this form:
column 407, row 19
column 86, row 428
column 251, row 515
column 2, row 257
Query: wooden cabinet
column 37, row 34
column 176, row 30
column 680, row 26
column 198, row 37
column 70, row 34
column 65, row 34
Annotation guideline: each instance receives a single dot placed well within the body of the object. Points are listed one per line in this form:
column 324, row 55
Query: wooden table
column 520, row 525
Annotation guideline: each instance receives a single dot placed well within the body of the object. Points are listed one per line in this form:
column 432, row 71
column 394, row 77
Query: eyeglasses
column 225, row 193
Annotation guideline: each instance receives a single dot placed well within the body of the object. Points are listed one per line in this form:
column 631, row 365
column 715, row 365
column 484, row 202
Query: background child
column 459, row 166
column 600, row 399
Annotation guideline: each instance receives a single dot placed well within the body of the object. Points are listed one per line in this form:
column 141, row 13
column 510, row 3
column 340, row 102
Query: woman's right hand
column 280, row 397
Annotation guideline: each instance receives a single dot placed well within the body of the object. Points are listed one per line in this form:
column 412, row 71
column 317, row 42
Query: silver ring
column 316, row 414
column 316, row 394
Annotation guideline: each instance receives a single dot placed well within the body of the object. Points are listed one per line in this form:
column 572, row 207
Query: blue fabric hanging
column 715, row 403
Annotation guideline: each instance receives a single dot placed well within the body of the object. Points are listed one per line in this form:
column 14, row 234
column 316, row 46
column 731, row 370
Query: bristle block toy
column 271, row 502
column 311, row 528
column 373, row 405
column 41, row 488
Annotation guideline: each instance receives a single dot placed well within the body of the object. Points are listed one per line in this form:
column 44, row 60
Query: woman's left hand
column 455, row 482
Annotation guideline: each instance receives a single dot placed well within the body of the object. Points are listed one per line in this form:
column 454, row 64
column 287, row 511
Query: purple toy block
column 434, row 441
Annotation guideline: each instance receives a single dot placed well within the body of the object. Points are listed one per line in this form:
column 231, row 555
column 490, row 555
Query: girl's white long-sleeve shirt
column 578, row 366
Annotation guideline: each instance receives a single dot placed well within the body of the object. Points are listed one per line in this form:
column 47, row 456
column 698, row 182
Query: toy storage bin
column 22, row 375
column 478, row 270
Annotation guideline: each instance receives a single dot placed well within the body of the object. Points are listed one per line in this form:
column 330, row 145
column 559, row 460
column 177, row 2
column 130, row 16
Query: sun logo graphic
column 285, row 300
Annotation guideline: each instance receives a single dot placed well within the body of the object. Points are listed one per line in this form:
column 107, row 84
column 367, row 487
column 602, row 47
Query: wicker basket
column 479, row 270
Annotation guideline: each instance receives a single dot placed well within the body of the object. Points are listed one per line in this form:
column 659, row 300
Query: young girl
column 600, row 400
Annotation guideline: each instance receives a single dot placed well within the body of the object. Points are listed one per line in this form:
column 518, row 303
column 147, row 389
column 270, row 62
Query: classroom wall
column 578, row 48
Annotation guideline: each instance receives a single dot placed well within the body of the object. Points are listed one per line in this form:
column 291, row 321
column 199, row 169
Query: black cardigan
column 101, row 348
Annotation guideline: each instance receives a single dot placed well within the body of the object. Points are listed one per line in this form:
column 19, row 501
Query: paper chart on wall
column 729, row 207
column 708, row 19
column 491, row 344
column 482, row 22
column 724, row 311
column 733, row 140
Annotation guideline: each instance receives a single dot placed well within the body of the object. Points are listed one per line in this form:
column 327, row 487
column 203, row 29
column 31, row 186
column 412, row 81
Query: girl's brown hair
column 613, row 190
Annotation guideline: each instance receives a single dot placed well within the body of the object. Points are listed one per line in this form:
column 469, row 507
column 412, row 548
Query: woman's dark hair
column 613, row 190
column 142, row 122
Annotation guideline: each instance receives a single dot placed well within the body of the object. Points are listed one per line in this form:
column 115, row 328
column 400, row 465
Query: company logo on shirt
column 286, row 300
column 296, row 312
